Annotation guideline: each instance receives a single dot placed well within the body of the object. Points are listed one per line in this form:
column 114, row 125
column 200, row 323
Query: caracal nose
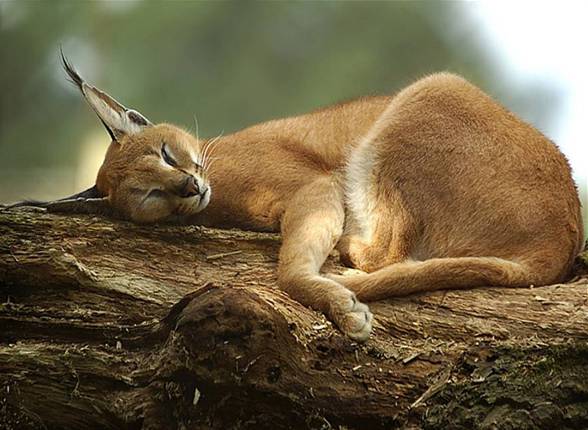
column 190, row 188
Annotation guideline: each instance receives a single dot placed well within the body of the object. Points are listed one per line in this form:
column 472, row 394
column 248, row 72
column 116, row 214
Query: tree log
column 107, row 324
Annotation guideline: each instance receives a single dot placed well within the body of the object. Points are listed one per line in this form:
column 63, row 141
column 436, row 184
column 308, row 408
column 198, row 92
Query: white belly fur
column 360, row 179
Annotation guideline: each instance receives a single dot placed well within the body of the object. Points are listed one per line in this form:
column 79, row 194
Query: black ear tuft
column 87, row 202
column 117, row 119
column 74, row 77
column 90, row 193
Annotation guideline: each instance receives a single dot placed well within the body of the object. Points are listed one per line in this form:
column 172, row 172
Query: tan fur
column 458, row 193
column 133, row 168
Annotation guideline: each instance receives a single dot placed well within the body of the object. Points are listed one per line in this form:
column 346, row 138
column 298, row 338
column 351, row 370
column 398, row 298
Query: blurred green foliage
column 230, row 63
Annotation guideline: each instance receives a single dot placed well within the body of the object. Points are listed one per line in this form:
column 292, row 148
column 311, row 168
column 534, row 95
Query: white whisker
column 214, row 144
column 205, row 149
column 200, row 157
column 197, row 129
column 209, row 149
column 209, row 160
column 210, row 163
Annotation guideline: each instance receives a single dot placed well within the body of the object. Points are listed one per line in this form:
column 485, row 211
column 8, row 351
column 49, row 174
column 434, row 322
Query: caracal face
column 156, row 173
column 151, row 173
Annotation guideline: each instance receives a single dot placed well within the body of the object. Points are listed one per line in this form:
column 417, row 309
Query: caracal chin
column 435, row 187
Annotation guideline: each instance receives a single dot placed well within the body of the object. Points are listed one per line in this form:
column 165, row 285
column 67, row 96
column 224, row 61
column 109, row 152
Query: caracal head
column 151, row 172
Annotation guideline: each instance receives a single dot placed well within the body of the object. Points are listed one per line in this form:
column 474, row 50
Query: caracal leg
column 311, row 226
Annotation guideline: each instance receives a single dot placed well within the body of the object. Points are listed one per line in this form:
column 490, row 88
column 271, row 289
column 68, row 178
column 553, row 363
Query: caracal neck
column 256, row 170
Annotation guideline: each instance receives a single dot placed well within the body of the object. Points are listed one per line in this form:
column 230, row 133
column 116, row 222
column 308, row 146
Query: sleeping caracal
column 435, row 187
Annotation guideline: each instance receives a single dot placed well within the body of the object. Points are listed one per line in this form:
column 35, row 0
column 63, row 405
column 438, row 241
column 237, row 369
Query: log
column 107, row 324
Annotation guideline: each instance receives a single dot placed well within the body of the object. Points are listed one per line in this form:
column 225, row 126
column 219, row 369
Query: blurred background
column 236, row 63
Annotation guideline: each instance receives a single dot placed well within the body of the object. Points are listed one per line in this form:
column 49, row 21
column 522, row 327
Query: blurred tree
column 229, row 63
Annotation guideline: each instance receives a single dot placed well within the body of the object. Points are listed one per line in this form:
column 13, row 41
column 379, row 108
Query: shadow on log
column 112, row 325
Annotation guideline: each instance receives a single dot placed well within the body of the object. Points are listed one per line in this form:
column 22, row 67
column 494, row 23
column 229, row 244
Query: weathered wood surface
column 106, row 324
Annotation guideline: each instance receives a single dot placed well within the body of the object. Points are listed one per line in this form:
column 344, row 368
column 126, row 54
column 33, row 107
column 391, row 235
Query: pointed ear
column 89, row 201
column 118, row 120
column 90, row 206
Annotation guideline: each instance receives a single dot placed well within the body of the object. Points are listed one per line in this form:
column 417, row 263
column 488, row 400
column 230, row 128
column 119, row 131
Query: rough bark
column 106, row 324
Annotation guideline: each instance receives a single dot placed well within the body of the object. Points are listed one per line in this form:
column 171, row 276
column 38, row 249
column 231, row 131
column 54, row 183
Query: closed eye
column 151, row 195
column 167, row 157
column 155, row 193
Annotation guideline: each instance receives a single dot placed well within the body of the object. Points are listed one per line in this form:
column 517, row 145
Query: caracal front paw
column 351, row 316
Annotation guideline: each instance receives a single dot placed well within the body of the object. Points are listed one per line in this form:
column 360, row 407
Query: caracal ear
column 118, row 120
column 89, row 201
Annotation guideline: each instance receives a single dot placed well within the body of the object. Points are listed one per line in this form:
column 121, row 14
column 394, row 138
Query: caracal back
column 462, row 194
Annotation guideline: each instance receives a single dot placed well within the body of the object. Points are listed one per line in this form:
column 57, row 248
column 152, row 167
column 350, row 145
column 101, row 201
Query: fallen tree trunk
column 107, row 324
